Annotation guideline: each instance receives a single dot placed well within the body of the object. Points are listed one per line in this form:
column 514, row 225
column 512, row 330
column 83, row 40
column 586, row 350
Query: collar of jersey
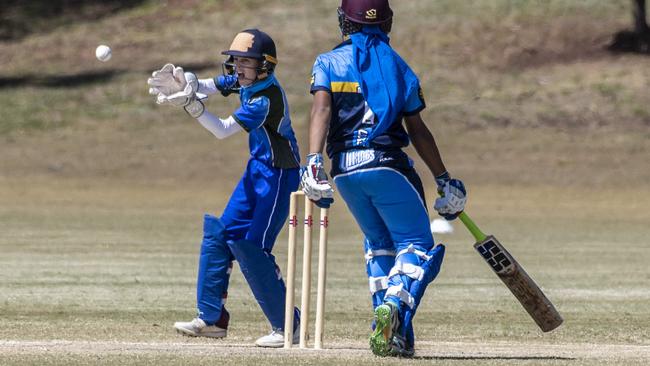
column 344, row 43
column 247, row 91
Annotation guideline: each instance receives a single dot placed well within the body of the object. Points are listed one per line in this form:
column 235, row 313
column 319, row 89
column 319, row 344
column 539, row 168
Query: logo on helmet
column 371, row 14
column 243, row 42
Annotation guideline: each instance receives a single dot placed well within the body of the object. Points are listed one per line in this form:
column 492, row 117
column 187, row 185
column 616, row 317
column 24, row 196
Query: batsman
column 259, row 205
column 364, row 95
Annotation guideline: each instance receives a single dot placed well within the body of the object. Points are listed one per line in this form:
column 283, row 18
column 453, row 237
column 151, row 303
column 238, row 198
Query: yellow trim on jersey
column 345, row 87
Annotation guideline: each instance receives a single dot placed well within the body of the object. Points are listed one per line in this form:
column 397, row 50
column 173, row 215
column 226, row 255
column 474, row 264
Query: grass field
column 101, row 278
column 102, row 193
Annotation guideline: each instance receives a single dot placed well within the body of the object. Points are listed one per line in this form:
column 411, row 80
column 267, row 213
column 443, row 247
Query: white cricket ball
column 103, row 53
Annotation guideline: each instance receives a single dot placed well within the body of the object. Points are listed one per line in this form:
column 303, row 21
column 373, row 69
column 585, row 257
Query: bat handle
column 471, row 226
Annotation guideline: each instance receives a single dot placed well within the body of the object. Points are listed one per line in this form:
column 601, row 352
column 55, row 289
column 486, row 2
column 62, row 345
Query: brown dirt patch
column 425, row 350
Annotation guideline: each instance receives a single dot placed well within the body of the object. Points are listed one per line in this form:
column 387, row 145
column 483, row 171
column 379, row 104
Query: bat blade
column 520, row 284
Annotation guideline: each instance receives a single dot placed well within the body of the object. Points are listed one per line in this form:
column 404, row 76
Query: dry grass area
column 443, row 353
column 520, row 93
column 96, row 273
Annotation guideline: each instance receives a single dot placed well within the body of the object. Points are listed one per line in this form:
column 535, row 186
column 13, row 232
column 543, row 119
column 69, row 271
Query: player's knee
column 378, row 245
column 413, row 271
column 214, row 232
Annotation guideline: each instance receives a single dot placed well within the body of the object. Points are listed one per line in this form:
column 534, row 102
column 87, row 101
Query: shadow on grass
column 631, row 42
column 57, row 81
column 19, row 18
column 505, row 358
column 81, row 79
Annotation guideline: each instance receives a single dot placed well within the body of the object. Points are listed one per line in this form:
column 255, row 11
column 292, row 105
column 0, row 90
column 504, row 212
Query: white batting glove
column 315, row 183
column 453, row 197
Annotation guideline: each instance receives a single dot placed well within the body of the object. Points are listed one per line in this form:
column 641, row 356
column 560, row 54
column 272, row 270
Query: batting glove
column 315, row 183
column 453, row 197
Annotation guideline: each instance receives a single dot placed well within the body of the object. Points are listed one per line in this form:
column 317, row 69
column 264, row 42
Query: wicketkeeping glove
column 315, row 183
column 168, row 80
column 453, row 197
column 184, row 96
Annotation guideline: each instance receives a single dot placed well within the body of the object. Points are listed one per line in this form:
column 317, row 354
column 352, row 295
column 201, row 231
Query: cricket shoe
column 276, row 339
column 198, row 328
column 386, row 324
column 399, row 347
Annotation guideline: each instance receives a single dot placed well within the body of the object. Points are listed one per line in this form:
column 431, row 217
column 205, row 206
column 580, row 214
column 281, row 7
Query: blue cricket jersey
column 264, row 114
column 335, row 73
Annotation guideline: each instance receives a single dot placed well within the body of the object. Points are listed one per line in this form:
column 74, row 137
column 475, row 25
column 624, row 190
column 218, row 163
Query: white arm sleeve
column 221, row 128
column 207, row 87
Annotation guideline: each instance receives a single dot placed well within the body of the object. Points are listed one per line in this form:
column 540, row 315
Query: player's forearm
column 321, row 113
column 318, row 132
column 220, row 128
column 428, row 151
column 207, row 87
column 425, row 145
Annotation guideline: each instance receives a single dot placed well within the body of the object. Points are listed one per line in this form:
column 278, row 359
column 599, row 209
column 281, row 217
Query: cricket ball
column 103, row 53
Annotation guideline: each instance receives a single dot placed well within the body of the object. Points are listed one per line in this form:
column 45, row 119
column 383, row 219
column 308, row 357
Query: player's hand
column 168, row 80
column 315, row 183
column 227, row 84
column 453, row 197
column 183, row 97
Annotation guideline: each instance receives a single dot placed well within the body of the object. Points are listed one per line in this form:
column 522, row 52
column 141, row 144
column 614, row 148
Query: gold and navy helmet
column 256, row 44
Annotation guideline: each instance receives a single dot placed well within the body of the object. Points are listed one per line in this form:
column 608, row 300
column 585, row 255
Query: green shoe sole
column 380, row 337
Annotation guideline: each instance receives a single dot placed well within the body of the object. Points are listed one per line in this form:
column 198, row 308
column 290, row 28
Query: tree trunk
column 640, row 22
column 636, row 40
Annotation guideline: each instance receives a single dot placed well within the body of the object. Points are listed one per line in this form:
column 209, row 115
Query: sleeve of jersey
column 253, row 113
column 207, row 87
column 415, row 103
column 320, row 79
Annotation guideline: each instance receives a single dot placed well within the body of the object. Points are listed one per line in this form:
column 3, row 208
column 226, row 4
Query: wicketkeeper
column 363, row 90
column 259, row 205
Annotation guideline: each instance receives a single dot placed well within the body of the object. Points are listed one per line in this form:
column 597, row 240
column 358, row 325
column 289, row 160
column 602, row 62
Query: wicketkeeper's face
column 246, row 69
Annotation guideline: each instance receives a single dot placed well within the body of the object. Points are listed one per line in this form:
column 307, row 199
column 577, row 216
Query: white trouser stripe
column 389, row 169
column 275, row 203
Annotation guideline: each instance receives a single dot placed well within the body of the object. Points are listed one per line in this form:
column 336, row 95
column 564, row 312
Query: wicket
column 306, row 273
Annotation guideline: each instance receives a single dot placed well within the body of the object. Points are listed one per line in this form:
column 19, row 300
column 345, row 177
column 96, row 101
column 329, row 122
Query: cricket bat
column 514, row 277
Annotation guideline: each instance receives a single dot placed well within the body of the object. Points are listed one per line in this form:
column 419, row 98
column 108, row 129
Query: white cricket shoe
column 276, row 339
column 198, row 328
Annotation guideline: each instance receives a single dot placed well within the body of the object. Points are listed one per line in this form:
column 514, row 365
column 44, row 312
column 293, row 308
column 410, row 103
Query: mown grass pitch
column 97, row 272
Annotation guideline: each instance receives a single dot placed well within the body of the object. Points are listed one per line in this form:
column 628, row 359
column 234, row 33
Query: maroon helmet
column 367, row 11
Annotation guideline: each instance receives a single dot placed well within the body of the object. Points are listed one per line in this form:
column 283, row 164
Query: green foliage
column 477, row 56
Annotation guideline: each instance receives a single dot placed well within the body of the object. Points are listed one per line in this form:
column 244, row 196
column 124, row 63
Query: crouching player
column 362, row 92
column 259, row 205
